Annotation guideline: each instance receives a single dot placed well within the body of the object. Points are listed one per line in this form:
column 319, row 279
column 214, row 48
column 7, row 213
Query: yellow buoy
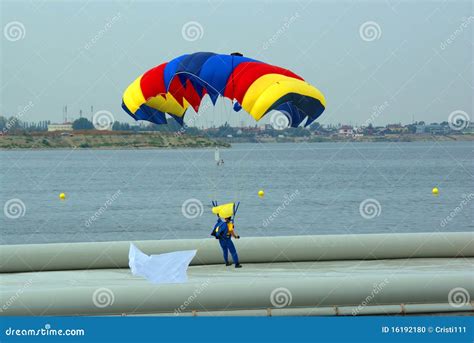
column 62, row 196
column 261, row 193
column 435, row 191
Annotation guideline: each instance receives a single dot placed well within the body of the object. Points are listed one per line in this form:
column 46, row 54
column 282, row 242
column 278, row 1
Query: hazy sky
column 396, row 56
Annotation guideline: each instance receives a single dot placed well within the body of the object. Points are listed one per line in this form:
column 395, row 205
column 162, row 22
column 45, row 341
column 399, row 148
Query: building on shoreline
column 346, row 131
column 60, row 127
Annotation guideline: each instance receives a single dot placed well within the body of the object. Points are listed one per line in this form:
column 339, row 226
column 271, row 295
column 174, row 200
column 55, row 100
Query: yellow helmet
column 224, row 211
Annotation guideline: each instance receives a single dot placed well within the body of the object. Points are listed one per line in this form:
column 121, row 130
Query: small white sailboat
column 217, row 157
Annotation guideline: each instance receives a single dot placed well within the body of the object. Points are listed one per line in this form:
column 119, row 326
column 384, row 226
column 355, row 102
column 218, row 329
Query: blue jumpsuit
column 227, row 245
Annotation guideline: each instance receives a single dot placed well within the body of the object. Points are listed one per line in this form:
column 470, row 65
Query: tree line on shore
column 14, row 125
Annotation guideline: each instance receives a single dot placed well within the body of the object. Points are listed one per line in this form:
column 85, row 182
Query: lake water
column 309, row 189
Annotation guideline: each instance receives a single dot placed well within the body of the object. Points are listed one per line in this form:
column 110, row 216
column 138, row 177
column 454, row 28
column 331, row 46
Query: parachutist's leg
column 233, row 252
column 225, row 250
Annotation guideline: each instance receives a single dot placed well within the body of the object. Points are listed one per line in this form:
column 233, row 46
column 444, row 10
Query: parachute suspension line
column 235, row 164
column 233, row 84
column 237, row 169
column 233, row 87
column 216, row 178
column 230, row 116
column 218, row 166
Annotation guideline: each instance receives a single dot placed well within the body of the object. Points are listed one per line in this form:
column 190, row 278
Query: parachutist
column 224, row 231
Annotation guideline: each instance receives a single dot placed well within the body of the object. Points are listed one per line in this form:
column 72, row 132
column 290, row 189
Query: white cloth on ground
column 163, row 268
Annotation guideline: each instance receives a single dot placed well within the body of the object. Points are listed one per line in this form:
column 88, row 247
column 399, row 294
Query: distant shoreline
column 408, row 138
column 105, row 141
column 149, row 141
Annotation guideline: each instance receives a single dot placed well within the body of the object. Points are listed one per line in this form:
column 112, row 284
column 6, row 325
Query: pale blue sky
column 84, row 53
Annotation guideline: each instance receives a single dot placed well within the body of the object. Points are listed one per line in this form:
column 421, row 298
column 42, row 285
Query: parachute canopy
column 172, row 87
